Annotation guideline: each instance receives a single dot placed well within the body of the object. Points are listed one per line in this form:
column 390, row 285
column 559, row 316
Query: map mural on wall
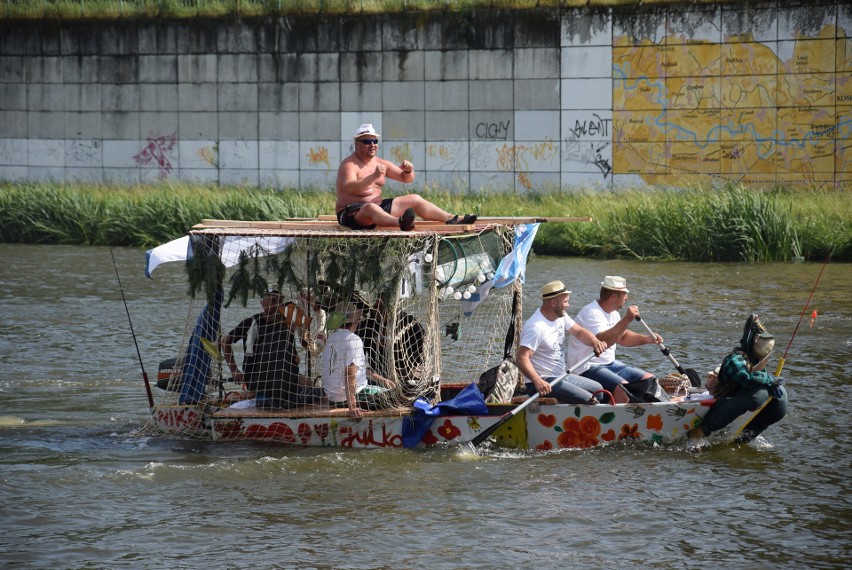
column 762, row 97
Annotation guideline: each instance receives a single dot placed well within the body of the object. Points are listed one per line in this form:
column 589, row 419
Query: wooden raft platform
column 328, row 223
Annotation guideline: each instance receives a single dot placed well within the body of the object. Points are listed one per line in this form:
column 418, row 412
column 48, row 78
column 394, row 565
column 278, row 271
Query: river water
column 79, row 488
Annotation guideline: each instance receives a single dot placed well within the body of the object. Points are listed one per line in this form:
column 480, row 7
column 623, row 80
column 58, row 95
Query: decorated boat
column 434, row 308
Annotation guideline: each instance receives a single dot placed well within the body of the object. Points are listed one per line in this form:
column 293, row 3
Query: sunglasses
column 369, row 141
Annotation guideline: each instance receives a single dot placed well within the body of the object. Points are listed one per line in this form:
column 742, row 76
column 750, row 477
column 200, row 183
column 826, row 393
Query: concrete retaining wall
column 508, row 100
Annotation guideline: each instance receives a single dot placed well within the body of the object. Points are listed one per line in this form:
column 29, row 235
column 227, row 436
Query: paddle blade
column 693, row 376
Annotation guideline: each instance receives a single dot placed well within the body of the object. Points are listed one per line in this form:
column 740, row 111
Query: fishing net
column 302, row 323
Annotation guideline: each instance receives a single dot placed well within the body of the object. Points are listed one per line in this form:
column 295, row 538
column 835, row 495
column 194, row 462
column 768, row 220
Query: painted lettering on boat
column 349, row 437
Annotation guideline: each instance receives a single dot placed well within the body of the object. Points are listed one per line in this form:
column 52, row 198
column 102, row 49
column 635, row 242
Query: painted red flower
column 608, row 435
column 449, row 431
column 429, row 438
column 590, row 427
column 579, row 433
column 546, row 446
column 631, row 432
column 655, row 422
column 568, row 439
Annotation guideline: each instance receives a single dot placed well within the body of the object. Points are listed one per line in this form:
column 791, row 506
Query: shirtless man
column 359, row 190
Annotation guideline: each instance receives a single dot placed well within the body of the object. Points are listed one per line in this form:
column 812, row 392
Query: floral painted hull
column 543, row 427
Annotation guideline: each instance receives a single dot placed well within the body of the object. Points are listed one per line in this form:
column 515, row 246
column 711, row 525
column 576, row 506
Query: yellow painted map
column 737, row 111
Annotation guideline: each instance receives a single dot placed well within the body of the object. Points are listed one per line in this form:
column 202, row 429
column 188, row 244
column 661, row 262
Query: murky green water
column 79, row 489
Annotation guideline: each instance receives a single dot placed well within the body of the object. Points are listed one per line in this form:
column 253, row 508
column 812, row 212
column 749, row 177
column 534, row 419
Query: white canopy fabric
column 176, row 250
column 181, row 250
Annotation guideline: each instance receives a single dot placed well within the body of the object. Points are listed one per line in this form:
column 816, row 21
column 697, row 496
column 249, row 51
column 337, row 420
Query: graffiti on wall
column 318, row 155
column 84, row 152
column 401, row 152
column 156, row 154
column 210, row 154
column 498, row 130
column 449, row 156
column 593, row 127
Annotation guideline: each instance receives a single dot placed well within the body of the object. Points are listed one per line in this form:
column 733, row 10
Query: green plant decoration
column 247, row 278
column 204, row 269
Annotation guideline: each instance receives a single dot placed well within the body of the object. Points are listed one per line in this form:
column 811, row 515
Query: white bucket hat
column 615, row 283
column 366, row 129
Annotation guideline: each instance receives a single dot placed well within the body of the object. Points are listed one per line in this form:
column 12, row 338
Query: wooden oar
column 484, row 434
column 690, row 373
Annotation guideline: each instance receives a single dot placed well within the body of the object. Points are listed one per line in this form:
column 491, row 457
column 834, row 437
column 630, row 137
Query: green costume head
column 756, row 342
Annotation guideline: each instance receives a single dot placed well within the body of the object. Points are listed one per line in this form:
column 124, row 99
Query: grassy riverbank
column 730, row 224
column 131, row 9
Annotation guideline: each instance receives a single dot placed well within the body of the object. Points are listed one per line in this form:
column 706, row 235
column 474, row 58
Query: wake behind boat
column 271, row 302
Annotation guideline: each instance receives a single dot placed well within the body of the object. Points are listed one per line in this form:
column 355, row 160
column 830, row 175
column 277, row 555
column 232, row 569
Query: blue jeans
column 572, row 389
column 726, row 410
column 612, row 374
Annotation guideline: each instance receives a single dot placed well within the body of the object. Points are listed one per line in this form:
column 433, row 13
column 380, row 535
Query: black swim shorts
column 346, row 216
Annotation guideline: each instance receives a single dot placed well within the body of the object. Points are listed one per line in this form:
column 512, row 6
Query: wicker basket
column 675, row 384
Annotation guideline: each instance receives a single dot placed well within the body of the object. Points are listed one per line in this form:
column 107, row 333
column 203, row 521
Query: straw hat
column 615, row 283
column 554, row 289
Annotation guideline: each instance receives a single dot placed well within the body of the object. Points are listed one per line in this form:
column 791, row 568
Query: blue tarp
column 196, row 364
column 469, row 401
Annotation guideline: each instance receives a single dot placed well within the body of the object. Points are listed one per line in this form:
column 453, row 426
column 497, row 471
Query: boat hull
column 542, row 427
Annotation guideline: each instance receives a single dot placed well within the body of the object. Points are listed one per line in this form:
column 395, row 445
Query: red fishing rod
column 804, row 310
column 138, row 354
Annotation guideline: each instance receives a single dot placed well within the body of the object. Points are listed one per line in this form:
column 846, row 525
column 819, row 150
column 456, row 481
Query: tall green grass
column 710, row 224
column 129, row 9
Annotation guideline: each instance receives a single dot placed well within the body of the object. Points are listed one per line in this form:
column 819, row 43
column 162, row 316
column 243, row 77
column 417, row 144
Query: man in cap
column 360, row 179
column 540, row 357
column 742, row 385
column 270, row 363
column 602, row 318
column 345, row 374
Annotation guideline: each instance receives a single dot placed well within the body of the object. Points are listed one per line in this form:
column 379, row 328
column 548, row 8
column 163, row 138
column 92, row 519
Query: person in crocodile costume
column 743, row 385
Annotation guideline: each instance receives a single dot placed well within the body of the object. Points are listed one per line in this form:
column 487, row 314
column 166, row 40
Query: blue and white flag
column 514, row 265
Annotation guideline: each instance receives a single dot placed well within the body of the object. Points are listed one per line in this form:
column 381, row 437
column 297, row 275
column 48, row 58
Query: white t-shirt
column 545, row 339
column 594, row 319
column 342, row 348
